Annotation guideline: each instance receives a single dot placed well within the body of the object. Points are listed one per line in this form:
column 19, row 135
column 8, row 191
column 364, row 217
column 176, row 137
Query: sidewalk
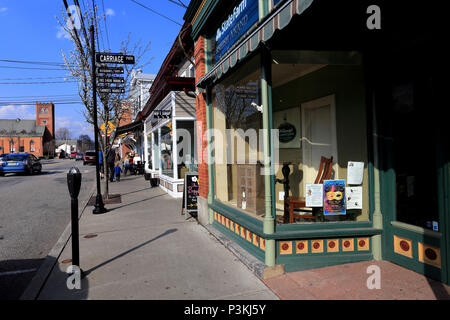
column 143, row 248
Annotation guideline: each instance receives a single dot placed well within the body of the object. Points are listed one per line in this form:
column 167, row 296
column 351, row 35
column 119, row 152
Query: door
column 318, row 136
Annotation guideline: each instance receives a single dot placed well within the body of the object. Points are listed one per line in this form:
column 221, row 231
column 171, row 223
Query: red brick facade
column 38, row 145
column 200, row 70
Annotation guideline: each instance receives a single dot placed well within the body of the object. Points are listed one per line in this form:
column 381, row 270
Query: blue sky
column 30, row 32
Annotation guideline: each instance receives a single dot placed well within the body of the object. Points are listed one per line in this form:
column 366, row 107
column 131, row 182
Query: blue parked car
column 20, row 163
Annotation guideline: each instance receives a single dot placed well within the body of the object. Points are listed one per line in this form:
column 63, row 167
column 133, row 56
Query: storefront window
column 167, row 150
column 185, row 147
column 156, row 150
column 414, row 149
column 238, row 153
column 318, row 104
column 149, row 152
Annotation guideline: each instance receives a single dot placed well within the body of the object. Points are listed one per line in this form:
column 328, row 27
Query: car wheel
column 30, row 172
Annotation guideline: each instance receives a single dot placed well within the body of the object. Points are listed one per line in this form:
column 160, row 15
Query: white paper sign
column 355, row 172
column 354, row 197
column 314, row 195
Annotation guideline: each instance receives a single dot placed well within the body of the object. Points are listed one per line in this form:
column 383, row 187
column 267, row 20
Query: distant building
column 33, row 136
column 67, row 146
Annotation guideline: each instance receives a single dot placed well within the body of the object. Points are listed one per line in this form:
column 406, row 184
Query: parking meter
column 74, row 184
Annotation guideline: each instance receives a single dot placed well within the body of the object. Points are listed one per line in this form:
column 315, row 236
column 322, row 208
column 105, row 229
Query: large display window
column 166, row 148
column 239, row 181
column 318, row 104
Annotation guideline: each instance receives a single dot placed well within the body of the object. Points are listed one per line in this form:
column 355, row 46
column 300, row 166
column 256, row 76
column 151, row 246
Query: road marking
column 10, row 273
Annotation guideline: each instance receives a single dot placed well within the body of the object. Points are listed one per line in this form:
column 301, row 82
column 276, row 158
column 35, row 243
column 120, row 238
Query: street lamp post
column 99, row 207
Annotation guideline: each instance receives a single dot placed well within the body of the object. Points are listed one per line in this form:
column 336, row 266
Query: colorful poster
column 354, row 197
column 334, row 197
column 314, row 195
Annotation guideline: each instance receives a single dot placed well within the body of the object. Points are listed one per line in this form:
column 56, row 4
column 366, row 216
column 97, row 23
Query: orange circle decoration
column 285, row 246
column 301, row 246
column 362, row 243
column 316, row 245
column 346, row 243
column 332, row 244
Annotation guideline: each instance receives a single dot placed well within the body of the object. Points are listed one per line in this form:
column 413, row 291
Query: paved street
column 34, row 211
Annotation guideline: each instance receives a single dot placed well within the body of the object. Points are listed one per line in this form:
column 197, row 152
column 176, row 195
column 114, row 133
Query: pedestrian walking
column 110, row 160
column 117, row 171
column 126, row 165
column 100, row 162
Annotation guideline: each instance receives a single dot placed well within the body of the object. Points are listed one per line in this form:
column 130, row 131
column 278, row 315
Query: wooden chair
column 300, row 202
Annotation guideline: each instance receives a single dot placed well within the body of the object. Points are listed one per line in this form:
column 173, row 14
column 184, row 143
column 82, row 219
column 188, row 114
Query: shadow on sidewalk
column 135, row 202
column 87, row 272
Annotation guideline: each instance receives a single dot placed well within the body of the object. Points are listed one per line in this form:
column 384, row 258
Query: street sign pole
column 99, row 207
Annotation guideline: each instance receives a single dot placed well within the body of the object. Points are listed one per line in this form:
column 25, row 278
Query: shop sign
column 239, row 21
column 287, row 132
column 190, row 192
column 162, row 114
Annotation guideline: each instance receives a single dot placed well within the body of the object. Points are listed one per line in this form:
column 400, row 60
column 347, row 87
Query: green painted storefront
column 366, row 115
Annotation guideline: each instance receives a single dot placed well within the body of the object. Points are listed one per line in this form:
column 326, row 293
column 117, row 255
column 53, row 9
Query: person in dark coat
column 110, row 160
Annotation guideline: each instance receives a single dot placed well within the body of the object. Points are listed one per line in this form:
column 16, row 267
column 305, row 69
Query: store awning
column 134, row 126
column 276, row 21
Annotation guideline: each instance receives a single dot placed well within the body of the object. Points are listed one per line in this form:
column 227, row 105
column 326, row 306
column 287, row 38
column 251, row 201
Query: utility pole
column 99, row 207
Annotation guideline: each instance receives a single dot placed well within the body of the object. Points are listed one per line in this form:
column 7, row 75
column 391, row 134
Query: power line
column 156, row 12
column 28, row 68
column 38, row 82
column 49, row 96
column 106, row 26
column 38, row 78
column 58, row 64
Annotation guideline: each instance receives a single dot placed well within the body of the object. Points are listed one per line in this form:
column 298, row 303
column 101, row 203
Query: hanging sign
column 354, row 197
column 110, row 80
column 102, row 57
column 239, row 21
column 111, row 90
column 162, row 114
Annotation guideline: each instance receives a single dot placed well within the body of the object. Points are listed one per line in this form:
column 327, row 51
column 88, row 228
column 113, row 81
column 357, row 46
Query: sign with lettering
column 162, row 114
column 190, row 193
column 110, row 70
column 111, row 90
column 110, row 80
column 239, row 21
column 102, row 57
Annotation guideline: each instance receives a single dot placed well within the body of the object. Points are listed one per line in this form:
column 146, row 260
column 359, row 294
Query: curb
column 258, row 268
column 40, row 278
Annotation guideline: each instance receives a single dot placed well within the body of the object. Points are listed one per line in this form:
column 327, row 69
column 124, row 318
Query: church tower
column 45, row 116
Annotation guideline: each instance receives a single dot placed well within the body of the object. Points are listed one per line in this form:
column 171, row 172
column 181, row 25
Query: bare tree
column 62, row 134
column 78, row 63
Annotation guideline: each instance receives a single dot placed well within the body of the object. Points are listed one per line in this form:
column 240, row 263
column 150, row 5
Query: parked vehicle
column 2, row 155
column 62, row 154
column 72, row 155
column 79, row 156
column 90, row 157
column 20, row 163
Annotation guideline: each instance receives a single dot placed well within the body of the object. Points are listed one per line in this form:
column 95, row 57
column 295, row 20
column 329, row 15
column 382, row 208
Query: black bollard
column 74, row 184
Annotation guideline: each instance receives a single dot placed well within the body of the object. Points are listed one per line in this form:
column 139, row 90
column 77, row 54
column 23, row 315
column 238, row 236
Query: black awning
column 134, row 126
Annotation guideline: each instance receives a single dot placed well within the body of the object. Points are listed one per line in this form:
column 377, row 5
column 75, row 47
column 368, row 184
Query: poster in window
column 288, row 123
column 314, row 195
column 334, row 197
column 354, row 197
column 355, row 172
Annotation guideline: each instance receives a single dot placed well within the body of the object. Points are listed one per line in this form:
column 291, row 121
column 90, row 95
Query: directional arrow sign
column 110, row 70
column 103, row 57
column 111, row 90
column 110, row 80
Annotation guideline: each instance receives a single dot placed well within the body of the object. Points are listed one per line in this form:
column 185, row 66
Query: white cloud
column 110, row 12
column 61, row 33
column 3, row 10
column 76, row 128
column 17, row 111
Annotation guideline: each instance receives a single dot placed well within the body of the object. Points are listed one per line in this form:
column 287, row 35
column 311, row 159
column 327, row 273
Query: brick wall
column 199, row 56
column 24, row 142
